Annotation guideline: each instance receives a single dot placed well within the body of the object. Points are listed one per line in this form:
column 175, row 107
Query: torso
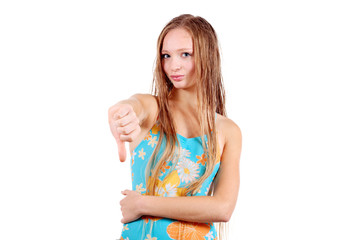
column 189, row 166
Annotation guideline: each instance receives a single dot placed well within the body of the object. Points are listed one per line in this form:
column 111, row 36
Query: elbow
column 225, row 213
column 226, row 217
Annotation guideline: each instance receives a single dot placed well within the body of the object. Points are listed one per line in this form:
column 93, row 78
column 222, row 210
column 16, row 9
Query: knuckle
column 126, row 130
column 134, row 134
column 120, row 123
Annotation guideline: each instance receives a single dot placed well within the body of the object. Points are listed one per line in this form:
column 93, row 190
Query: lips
column 177, row 77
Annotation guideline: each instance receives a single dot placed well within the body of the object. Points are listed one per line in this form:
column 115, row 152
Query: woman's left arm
column 202, row 209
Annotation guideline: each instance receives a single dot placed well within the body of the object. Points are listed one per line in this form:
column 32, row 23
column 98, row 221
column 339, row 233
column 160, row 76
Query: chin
column 182, row 85
column 179, row 85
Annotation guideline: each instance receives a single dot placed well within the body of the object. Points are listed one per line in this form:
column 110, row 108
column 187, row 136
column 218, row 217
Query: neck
column 186, row 97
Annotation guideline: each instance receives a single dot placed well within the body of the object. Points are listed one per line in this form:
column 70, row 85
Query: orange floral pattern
column 148, row 137
column 202, row 159
column 164, row 167
column 155, row 129
column 187, row 230
column 175, row 174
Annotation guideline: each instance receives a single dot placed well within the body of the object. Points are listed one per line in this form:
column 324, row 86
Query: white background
column 291, row 70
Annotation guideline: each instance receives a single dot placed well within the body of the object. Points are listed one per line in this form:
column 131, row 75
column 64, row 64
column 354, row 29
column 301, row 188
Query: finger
column 128, row 129
column 121, row 150
column 126, row 120
column 120, row 144
column 125, row 192
column 131, row 136
column 124, row 110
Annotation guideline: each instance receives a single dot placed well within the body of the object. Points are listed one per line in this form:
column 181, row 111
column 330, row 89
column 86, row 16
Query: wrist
column 143, row 204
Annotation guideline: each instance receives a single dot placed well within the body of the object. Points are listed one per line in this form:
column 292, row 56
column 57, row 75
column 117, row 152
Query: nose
column 175, row 64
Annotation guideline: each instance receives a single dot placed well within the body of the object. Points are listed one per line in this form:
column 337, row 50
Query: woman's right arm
column 127, row 117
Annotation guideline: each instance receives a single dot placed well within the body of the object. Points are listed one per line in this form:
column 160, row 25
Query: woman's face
column 177, row 58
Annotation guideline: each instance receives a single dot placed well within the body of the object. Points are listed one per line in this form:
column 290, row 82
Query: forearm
column 202, row 209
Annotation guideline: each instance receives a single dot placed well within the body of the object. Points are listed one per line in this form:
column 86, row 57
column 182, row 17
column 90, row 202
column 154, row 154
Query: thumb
column 121, row 149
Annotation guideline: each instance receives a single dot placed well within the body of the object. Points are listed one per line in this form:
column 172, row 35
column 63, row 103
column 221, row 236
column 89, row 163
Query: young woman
column 185, row 152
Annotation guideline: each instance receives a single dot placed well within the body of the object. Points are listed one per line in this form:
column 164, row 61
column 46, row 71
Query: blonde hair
column 210, row 100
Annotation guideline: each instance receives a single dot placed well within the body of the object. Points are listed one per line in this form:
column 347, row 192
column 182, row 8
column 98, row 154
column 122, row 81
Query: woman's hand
column 124, row 125
column 131, row 206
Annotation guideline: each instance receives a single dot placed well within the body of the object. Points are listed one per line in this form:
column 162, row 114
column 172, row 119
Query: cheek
column 191, row 67
column 165, row 67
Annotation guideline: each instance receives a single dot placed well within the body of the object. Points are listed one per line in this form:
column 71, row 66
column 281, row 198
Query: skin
column 131, row 119
column 177, row 59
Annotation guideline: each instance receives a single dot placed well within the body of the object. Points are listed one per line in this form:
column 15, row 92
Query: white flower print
column 184, row 153
column 187, row 170
column 153, row 141
column 167, row 191
column 150, row 238
column 139, row 188
column 142, row 154
column 170, row 190
column 159, row 191
column 209, row 235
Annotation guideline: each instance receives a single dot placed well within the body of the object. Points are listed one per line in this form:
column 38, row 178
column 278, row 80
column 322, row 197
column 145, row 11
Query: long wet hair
column 210, row 100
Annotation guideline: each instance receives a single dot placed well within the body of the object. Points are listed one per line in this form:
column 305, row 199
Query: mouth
column 177, row 77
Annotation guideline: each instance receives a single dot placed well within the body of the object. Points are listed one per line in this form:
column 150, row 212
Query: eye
column 186, row 54
column 165, row 56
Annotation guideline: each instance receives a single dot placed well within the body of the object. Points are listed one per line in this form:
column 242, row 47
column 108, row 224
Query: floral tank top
column 190, row 166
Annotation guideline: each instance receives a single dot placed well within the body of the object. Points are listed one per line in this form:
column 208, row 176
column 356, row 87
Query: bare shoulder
column 146, row 99
column 227, row 127
column 150, row 107
column 230, row 135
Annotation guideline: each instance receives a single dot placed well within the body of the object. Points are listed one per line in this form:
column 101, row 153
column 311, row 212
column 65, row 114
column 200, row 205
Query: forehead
column 176, row 39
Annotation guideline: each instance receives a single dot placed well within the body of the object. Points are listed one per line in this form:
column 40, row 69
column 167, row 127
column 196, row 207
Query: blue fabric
column 190, row 166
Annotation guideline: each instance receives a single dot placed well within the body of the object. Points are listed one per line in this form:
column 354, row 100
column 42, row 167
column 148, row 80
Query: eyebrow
column 178, row 50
